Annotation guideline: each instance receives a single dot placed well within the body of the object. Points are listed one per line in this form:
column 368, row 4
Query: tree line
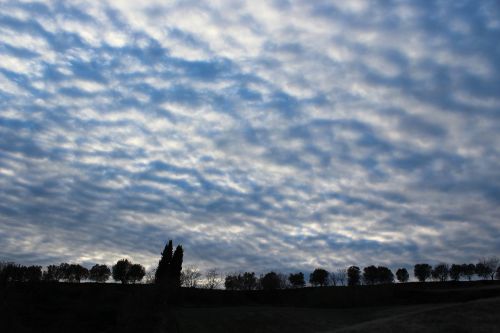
column 170, row 274
column 370, row 275
column 123, row 271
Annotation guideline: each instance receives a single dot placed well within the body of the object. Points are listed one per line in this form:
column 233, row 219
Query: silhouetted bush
column 422, row 272
column 297, row 280
column 270, row 281
column 353, row 276
column 402, row 275
column 99, row 273
column 440, row 272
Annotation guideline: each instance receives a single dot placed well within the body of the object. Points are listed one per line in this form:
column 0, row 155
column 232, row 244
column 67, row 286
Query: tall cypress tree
column 176, row 267
column 164, row 266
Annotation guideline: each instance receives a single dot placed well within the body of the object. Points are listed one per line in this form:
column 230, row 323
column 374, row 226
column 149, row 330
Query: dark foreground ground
column 412, row 307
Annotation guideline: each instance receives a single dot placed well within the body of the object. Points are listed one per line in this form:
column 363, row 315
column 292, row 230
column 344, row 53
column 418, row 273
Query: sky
column 260, row 135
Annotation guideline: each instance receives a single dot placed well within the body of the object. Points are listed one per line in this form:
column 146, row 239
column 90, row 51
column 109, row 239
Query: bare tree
column 492, row 264
column 190, row 277
column 486, row 268
column 213, row 279
column 284, row 284
column 333, row 279
column 150, row 276
column 340, row 276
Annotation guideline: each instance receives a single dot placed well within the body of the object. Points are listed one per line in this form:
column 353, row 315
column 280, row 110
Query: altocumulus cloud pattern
column 259, row 134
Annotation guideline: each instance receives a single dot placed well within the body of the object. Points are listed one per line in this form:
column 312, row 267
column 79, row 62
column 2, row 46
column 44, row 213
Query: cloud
column 261, row 135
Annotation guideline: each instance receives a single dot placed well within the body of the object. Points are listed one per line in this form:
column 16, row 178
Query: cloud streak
column 261, row 135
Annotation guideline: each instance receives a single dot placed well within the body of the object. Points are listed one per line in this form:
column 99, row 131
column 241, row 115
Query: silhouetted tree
column 63, row 272
column 319, row 277
column 33, row 273
column 176, row 267
column 385, row 275
column 12, row 272
column 245, row 281
column 135, row 273
column 99, row 273
column 168, row 272
column 73, row 272
column 213, row 279
column 162, row 273
column 248, row 281
column 422, row 272
column 402, row 275
column 440, row 272
column 374, row 275
column 483, row 270
column 51, row 274
column 232, row 282
column 497, row 275
column 3, row 277
column 120, row 270
column 190, row 277
column 468, row 270
column 270, row 281
column 492, row 264
column 297, row 280
column 370, row 275
column 455, row 272
column 353, row 276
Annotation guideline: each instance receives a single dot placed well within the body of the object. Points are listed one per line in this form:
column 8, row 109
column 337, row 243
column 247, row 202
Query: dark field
column 412, row 307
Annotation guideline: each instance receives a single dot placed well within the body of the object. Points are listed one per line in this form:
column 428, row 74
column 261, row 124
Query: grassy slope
column 64, row 307
column 475, row 316
column 417, row 305
column 278, row 319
